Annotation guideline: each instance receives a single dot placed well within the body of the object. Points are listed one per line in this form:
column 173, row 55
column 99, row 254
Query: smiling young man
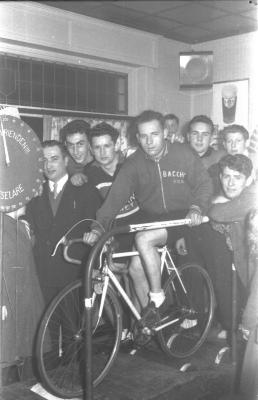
column 225, row 242
column 223, row 239
column 199, row 136
column 239, row 196
column 169, row 182
column 51, row 214
column 235, row 141
column 74, row 135
column 107, row 162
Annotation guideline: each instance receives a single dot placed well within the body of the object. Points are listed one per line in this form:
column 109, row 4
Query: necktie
column 55, row 190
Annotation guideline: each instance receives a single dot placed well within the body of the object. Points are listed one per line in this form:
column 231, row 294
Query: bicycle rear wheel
column 190, row 305
column 60, row 343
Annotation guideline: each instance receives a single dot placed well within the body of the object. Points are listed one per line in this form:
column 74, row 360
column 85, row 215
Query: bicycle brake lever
column 61, row 241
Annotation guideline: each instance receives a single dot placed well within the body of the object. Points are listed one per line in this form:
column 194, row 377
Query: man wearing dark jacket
column 199, row 135
column 52, row 214
column 223, row 239
column 169, row 181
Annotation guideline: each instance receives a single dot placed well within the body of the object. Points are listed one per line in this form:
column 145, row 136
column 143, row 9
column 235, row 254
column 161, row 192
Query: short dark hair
column 103, row 129
column 53, row 143
column 237, row 162
column 171, row 116
column 234, row 129
column 201, row 118
column 75, row 126
column 147, row 116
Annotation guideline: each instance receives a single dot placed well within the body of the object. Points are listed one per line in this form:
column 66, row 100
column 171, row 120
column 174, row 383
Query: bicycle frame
column 110, row 276
column 88, row 294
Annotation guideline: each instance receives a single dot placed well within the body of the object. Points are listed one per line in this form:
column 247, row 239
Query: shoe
column 126, row 335
column 222, row 334
column 150, row 316
column 143, row 329
column 141, row 339
column 188, row 323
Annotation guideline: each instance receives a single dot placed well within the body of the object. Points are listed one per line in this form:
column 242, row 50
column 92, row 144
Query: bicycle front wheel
column 60, row 346
column 188, row 309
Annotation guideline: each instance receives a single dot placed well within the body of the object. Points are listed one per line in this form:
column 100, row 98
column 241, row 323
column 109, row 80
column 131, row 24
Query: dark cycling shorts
column 124, row 241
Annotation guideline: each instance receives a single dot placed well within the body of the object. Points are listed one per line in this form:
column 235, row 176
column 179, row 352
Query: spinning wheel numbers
column 21, row 163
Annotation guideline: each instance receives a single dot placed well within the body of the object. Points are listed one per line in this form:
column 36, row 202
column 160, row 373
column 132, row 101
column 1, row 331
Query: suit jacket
column 76, row 203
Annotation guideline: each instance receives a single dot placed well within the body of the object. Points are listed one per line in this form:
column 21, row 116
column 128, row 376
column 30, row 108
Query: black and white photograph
column 129, row 200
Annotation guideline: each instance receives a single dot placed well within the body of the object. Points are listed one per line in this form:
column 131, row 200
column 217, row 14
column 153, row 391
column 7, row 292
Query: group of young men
column 88, row 178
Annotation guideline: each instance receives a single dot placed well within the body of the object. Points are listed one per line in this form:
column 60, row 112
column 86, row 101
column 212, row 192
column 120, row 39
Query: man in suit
column 52, row 214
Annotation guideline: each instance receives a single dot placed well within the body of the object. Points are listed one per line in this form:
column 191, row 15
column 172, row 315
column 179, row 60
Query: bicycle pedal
column 147, row 331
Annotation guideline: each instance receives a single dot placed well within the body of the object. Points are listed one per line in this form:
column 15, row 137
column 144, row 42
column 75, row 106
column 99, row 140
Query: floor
column 150, row 375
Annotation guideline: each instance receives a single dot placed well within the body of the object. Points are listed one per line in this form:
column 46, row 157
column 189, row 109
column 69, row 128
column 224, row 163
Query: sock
column 158, row 298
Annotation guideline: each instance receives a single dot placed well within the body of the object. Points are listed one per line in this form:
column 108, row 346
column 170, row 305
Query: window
column 65, row 87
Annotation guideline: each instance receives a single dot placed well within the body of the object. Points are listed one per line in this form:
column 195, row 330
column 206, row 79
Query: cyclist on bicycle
column 169, row 182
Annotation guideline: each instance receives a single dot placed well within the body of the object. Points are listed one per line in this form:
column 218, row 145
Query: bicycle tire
column 192, row 311
column 60, row 347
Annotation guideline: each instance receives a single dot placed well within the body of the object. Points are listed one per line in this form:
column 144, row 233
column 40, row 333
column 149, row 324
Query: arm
column 79, row 179
column 235, row 210
column 119, row 193
column 28, row 220
column 220, row 199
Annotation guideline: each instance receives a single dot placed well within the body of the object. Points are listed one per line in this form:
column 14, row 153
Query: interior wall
column 235, row 58
column 41, row 31
column 37, row 30
column 168, row 98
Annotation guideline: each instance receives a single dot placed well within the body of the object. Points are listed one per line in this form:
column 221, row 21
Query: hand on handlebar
column 195, row 217
column 91, row 237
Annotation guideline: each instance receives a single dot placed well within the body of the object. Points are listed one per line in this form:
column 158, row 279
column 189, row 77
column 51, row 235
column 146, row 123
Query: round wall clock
column 196, row 69
column 21, row 163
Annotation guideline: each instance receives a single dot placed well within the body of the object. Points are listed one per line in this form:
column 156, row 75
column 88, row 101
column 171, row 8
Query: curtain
column 52, row 126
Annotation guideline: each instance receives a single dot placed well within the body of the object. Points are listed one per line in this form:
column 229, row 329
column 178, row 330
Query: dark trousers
column 209, row 248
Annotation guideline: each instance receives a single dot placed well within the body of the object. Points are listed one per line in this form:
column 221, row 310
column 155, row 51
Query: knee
column 142, row 241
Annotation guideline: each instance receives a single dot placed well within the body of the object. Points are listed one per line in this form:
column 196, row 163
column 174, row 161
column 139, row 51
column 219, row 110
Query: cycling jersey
column 177, row 181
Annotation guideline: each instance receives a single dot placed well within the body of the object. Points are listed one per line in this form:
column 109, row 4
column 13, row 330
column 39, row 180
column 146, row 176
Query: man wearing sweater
column 223, row 240
column 169, row 182
column 200, row 133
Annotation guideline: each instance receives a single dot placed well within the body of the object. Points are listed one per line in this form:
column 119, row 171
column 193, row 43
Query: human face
column 235, row 143
column 151, row 137
column 233, row 182
column 54, row 163
column 104, row 150
column 78, row 146
column 229, row 101
column 199, row 137
column 172, row 127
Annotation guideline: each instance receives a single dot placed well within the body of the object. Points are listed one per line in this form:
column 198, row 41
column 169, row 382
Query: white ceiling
column 186, row 21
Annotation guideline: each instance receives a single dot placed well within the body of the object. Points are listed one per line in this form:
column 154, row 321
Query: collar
column 165, row 152
column 208, row 152
column 59, row 184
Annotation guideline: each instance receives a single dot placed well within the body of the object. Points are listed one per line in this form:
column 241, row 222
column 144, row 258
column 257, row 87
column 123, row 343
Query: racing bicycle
column 185, row 317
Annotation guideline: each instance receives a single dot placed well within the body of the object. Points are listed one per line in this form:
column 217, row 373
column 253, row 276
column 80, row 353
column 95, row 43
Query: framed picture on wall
column 230, row 103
